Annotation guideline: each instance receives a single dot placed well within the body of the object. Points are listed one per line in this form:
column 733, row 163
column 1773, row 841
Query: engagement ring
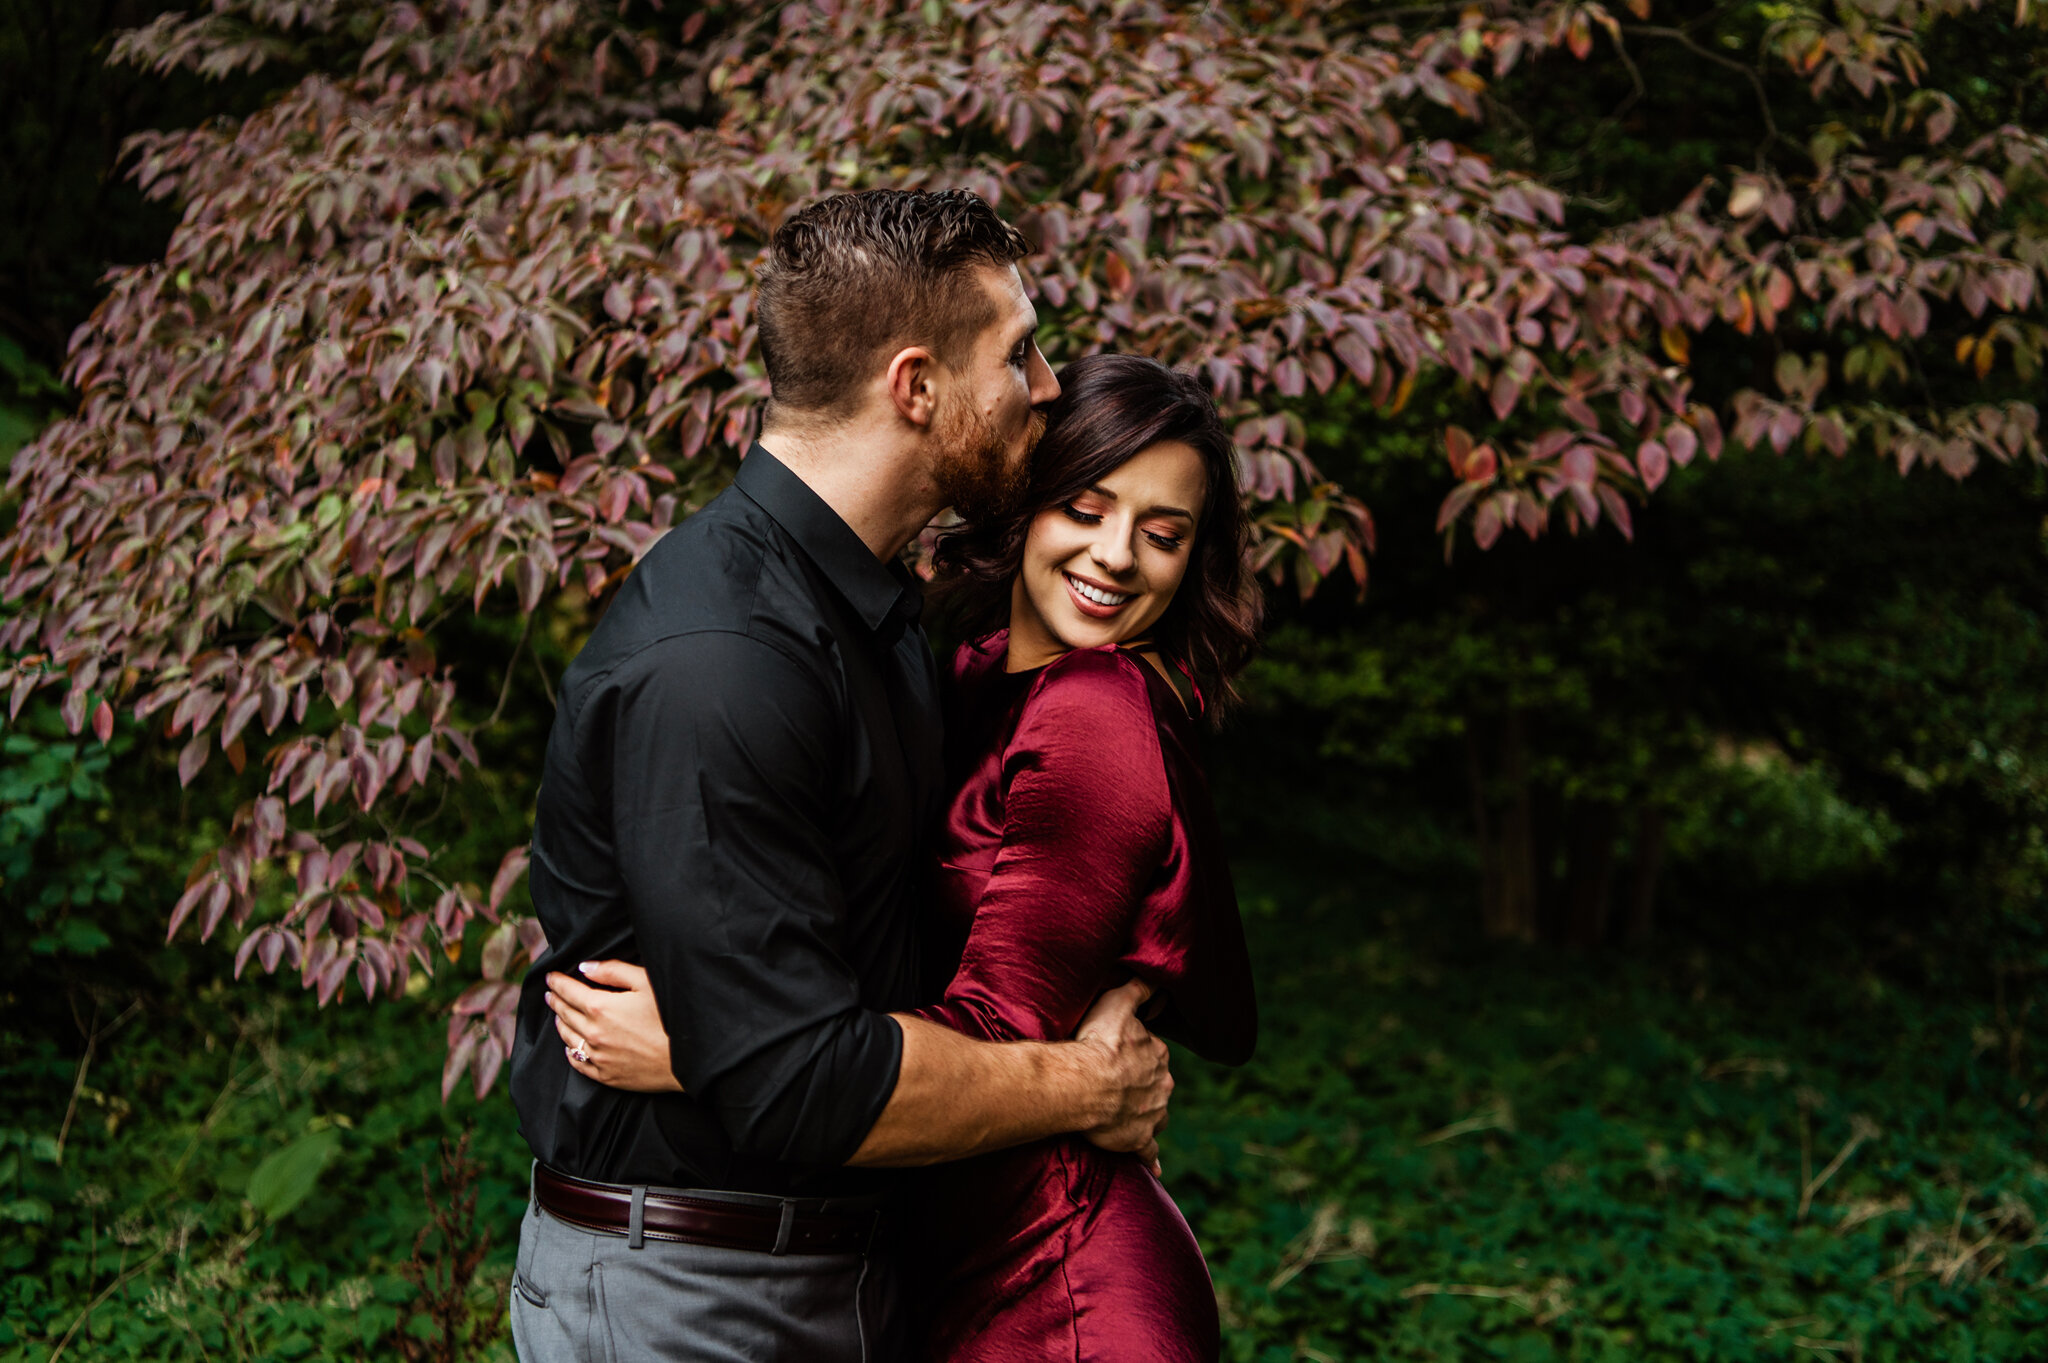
column 580, row 1056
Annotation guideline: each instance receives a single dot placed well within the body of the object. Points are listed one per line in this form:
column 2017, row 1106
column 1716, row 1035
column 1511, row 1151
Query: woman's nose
column 1112, row 552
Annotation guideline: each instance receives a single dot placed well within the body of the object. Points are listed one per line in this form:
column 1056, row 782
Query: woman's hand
column 616, row 1038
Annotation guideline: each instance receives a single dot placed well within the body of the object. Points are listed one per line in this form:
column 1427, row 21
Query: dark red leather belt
column 769, row 1228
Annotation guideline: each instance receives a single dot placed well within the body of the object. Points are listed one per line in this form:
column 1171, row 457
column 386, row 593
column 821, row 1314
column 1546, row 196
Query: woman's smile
column 1094, row 599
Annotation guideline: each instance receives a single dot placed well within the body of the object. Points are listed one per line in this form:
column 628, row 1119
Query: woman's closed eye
column 1080, row 517
column 1166, row 540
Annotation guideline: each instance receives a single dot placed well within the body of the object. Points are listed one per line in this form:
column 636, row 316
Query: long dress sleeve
column 1087, row 813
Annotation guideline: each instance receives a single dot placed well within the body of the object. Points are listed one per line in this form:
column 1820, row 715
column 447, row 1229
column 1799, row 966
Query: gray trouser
column 581, row 1296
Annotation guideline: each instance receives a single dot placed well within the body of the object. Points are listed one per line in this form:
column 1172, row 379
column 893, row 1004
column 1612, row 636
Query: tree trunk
column 1507, row 844
column 1642, row 892
column 1482, row 833
column 1589, row 884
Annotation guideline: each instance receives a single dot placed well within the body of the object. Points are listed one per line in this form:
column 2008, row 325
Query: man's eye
column 1020, row 354
column 1075, row 513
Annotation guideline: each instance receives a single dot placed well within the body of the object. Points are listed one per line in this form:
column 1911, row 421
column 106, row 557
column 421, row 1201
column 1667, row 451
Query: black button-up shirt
column 738, row 794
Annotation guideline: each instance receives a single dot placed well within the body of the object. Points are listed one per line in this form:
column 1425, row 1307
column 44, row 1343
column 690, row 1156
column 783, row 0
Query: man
column 739, row 787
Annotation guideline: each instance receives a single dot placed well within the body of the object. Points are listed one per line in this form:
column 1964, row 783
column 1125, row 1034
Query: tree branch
column 92, row 1046
column 1749, row 73
column 505, row 690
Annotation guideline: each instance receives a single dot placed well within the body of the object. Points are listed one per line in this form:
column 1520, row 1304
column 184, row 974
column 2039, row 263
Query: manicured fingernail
column 586, row 966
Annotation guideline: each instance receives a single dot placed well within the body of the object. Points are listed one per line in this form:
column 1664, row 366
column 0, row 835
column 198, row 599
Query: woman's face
column 1102, row 568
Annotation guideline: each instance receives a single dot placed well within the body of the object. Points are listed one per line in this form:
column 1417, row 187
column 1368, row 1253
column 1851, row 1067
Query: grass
column 1441, row 1152
column 1444, row 1152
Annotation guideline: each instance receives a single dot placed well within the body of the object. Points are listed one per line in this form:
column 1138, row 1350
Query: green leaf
column 286, row 1177
column 81, row 937
column 519, row 419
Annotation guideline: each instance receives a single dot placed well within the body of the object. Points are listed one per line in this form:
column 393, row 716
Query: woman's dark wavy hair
column 1110, row 408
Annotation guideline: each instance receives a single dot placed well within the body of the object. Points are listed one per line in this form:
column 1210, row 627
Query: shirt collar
column 885, row 596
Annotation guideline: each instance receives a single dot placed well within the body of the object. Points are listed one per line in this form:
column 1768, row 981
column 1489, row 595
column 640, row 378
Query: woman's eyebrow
column 1107, row 495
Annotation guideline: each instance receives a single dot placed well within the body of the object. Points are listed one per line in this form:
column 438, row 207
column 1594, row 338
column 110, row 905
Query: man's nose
column 1045, row 387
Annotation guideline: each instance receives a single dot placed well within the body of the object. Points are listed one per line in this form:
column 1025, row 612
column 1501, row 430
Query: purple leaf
column 1617, row 510
column 1654, row 461
column 1486, row 526
column 1507, row 391
column 1356, row 356
column 490, row 1058
column 217, row 901
column 459, row 1054
column 528, row 579
column 187, row 902
column 191, row 758
column 1681, row 441
column 499, row 947
column 510, row 868
column 248, row 949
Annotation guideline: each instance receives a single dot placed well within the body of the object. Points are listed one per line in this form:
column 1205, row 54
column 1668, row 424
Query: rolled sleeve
column 726, row 743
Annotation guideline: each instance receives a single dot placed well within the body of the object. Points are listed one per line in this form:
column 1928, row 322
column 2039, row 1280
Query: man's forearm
column 956, row 1096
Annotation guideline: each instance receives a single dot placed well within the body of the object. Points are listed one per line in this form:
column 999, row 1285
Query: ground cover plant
column 235, row 1180
column 1449, row 1152
column 1443, row 1151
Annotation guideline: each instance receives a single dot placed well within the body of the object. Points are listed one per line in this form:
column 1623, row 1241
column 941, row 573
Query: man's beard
column 973, row 467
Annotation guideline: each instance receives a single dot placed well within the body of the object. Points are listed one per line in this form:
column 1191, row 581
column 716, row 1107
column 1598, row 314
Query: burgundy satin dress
column 1079, row 850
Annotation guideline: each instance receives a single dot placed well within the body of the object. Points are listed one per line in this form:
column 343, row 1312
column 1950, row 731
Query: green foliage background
column 1830, row 678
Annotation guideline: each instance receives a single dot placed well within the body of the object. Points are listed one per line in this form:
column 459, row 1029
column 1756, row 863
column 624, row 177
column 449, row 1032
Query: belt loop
column 782, row 1232
column 532, row 1190
column 637, row 1219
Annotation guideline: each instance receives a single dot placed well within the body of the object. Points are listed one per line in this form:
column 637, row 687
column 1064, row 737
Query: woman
column 1080, row 849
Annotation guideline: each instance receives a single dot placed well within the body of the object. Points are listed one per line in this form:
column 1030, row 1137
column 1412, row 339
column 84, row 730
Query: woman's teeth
column 1097, row 595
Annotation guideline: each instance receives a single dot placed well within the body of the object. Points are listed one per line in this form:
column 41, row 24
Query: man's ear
column 913, row 380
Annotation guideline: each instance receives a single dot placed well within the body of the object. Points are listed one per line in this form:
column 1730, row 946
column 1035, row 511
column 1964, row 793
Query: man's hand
column 1135, row 1069
column 616, row 1038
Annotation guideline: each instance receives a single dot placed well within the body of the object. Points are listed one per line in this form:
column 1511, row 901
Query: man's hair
column 852, row 279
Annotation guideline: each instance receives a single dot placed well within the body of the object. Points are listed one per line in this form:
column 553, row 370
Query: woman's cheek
column 1170, row 582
